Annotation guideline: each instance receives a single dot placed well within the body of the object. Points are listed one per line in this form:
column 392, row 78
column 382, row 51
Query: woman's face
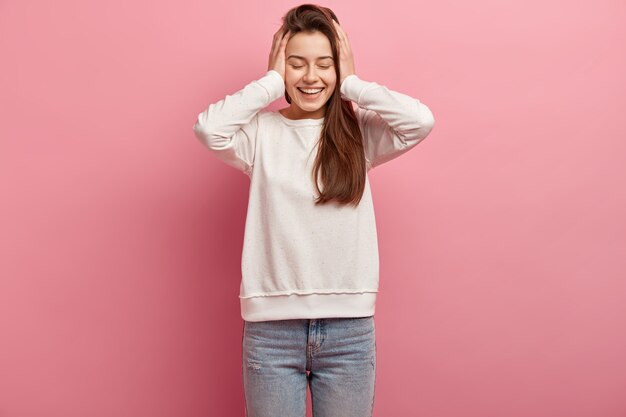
column 309, row 66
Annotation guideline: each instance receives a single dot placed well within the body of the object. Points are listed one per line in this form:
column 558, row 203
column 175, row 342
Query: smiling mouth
column 311, row 89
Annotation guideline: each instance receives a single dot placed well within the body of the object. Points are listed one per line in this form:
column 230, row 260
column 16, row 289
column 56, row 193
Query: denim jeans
column 336, row 357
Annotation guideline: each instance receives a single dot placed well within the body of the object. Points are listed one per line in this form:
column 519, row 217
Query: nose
column 310, row 75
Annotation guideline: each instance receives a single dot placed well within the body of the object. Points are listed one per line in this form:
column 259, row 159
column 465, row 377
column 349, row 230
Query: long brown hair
column 340, row 160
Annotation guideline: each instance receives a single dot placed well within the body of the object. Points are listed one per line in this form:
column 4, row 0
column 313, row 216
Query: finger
column 278, row 37
column 341, row 31
column 337, row 26
column 274, row 39
column 283, row 43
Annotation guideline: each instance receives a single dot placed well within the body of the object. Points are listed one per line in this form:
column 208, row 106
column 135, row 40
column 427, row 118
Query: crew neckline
column 300, row 122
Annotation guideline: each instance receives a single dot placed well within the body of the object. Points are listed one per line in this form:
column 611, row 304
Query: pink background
column 502, row 236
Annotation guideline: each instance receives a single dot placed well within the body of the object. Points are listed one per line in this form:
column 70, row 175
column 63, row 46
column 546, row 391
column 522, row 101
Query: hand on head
column 277, row 54
column 346, row 59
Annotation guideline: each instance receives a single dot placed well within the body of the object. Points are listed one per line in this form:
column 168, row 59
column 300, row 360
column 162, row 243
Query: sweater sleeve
column 391, row 123
column 229, row 127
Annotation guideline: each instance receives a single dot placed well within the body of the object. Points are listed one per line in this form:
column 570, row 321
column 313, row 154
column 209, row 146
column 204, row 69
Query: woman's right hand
column 277, row 54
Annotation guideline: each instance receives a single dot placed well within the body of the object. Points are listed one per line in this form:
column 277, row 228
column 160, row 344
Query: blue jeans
column 335, row 356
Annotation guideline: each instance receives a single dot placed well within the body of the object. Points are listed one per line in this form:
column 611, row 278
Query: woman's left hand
column 346, row 60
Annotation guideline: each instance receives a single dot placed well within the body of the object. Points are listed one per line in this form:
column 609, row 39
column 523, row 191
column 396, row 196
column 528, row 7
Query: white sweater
column 300, row 260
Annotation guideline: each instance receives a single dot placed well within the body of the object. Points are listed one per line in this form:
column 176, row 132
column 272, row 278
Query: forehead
column 308, row 46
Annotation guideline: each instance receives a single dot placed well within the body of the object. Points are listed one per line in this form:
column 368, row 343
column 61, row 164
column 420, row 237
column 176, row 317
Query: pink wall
column 502, row 235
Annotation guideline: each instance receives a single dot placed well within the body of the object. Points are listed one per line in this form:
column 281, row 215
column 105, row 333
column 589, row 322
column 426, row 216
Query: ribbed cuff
column 352, row 87
column 273, row 83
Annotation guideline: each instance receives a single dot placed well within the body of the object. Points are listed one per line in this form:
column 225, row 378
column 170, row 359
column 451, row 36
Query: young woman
column 310, row 254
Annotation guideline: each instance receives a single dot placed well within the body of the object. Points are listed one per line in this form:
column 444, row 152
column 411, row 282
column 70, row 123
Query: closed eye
column 300, row 66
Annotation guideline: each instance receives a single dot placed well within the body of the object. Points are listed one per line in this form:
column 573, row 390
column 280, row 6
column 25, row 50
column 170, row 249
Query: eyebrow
column 301, row 57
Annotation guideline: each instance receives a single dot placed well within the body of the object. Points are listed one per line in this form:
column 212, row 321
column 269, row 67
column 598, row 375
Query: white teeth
column 309, row 91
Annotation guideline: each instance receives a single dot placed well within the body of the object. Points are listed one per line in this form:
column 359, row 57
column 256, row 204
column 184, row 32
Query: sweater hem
column 308, row 306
